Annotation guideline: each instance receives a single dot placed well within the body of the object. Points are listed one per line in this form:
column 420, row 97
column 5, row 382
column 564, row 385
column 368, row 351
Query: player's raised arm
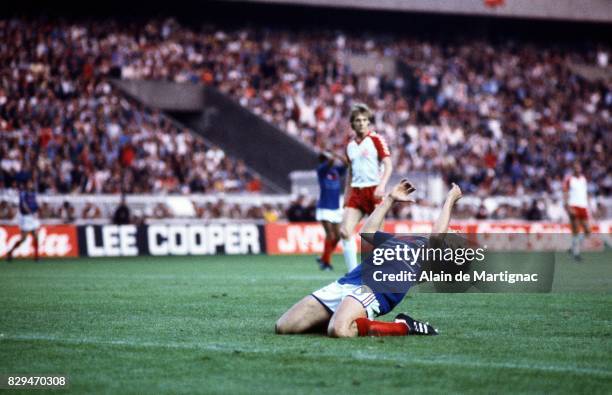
column 441, row 224
column 340, row 158
column 400, row 193
column 326, row 160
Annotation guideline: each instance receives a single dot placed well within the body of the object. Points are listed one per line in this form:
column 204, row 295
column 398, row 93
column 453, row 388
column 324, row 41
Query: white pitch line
column 357, row 355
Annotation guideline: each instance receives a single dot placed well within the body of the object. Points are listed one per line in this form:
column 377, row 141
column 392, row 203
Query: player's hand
column 455, row 193
column 401, row 192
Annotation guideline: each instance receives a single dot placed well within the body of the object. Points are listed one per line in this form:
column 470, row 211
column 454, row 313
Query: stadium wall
column 583, row 10
column 197, row 239
column 165, row 95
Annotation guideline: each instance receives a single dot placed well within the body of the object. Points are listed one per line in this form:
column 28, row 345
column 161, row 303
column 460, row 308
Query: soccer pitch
column 205, row 325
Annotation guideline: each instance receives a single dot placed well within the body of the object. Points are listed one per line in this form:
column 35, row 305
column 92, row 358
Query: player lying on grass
column 344, row 307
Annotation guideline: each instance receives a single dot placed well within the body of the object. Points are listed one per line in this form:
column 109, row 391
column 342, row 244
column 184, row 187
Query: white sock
column 350, row 253
column 576, row 243
column 580, row 240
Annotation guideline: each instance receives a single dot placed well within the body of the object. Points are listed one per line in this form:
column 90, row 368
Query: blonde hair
column 360, row 109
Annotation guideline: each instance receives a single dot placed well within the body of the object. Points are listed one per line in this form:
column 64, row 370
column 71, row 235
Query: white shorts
column 331, row 295
column 325, row 214
column 28, row 222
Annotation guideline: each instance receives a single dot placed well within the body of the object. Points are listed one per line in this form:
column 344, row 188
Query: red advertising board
column 308, row 238
column 53, row 241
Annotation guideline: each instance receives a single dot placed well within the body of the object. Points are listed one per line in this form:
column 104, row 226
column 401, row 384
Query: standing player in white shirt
column 365, row 184
column 576, row 201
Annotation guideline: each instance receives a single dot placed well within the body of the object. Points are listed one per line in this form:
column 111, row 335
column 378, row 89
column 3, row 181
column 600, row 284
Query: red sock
column 35, row 242
column 330, row 246
column 367, row 327
column 326, row 257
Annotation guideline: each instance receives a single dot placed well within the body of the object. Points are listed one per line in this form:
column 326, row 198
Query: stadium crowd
column 61, row 120
column 499, row 118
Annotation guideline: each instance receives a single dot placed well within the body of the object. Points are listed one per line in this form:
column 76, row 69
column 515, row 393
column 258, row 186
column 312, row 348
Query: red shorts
column 362, row 199
column 579, row 212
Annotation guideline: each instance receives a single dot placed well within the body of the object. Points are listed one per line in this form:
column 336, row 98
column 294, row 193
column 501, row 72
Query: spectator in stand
column 122, row 215
column 91, row 211
column 297, row 211
column 270, row 213
column 47, row 212
column 161, row 211
column 7, row 211
column 482, row 212
column 533, row 213
column 67, row 213
column 256, row 212
column 235, row 212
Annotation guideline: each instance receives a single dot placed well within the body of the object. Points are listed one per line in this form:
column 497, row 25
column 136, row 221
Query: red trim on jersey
column 381, row 146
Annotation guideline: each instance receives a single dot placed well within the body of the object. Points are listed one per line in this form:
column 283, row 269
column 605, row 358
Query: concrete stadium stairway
column 264, row 148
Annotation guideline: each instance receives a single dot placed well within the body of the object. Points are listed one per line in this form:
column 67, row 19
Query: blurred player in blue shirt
column 329, row 212
column 28, row 221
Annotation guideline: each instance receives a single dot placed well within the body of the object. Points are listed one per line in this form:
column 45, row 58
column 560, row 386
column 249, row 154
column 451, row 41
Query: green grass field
column 205, row 325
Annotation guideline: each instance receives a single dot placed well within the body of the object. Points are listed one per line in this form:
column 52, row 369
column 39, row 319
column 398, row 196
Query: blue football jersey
column 27, row 200
column 388, row 300
column 330, row 186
